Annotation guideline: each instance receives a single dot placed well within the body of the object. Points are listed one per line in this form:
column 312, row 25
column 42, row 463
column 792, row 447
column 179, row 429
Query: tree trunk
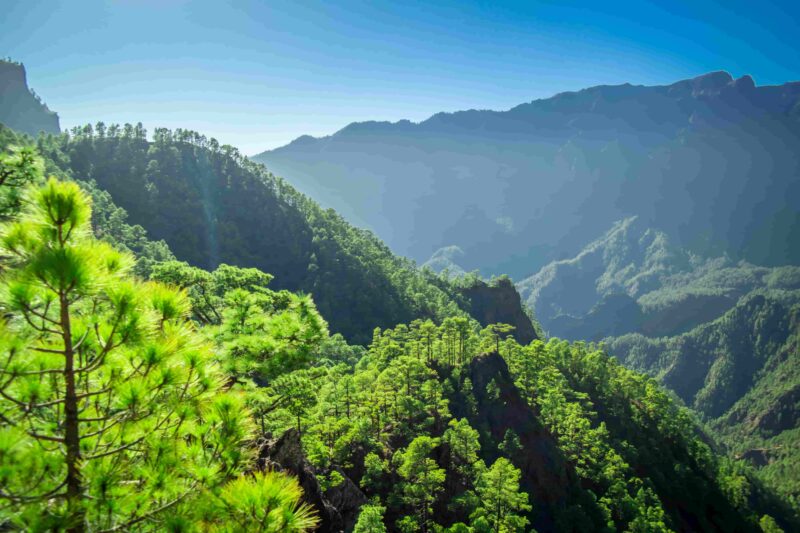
column 72, row 439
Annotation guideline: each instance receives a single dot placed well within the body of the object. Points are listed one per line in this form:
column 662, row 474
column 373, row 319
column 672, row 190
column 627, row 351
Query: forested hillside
column 742, row 372
column 711, row 161
column 721, row 334
column 213, row 206
column 189, row 344
column 635, row 279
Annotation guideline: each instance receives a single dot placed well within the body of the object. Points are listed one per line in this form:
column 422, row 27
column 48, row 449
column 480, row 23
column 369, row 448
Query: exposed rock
column 500, row 303
column 545, row 474
column 338, row 507
column 20, row 109
column 347, row 499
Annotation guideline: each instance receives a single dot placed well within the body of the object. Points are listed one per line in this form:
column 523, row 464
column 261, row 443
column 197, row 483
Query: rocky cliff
column 499, row 302
column 20, row 108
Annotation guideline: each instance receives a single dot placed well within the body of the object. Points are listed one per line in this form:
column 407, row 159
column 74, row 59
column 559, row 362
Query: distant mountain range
column 711, row 161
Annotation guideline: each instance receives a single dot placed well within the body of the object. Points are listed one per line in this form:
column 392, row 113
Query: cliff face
column 500, row 303
column 21, row 109
column 338, row 507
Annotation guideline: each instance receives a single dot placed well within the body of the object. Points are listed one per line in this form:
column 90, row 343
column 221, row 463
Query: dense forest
column 719, row 333
column 436, row 424
column 741, row 373
column 213, row 206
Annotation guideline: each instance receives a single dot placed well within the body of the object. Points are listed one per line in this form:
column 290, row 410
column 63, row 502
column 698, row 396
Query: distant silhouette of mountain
column 20, row 108
column 712, row 161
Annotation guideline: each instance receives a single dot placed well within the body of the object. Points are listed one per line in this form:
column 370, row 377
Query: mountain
column 721, row 334
column 710, row 160
column 426, row 420
column 742, row 373
column 415, row 427
column 636, row 279
column 20, row 108
column 186, row 195
column 208, row 205
column 213, row 206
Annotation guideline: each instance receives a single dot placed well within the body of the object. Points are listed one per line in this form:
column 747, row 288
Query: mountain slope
column 709, row 160
column 654, row 286
column 594, row 446
column 20, row 108
column 722, row 335
column 212, row 206
column 742, row 372
column 109, row 221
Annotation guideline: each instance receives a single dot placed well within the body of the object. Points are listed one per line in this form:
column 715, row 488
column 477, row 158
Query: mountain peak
column 20, row 108
column 712, row 80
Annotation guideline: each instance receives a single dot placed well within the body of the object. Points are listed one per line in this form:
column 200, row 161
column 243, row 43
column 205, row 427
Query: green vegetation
column 114, row 413
column 153, row 404
column 742, row 373
column 109, row 221
column 212, row 206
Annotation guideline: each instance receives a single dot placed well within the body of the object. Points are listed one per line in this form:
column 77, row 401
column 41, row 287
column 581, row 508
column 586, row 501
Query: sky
column 258, row 74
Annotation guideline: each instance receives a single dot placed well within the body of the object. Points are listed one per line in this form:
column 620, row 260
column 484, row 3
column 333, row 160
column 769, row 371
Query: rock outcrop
column 338, row 507
column 500, row 302
column 20, row 108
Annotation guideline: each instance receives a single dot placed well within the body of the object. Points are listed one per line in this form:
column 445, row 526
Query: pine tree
column 267, row 502
column 423, row 479
column 500, row 498
column 464, row 446
column 370, row 520
column 111, row 406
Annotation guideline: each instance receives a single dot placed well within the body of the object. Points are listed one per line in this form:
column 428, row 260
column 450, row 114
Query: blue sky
column 259, row 74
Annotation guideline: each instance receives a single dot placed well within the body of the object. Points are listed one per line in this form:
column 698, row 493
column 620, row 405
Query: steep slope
column 709, row 160
column 419, row 422
column 20, row 108
column 109, row 221
column 498, row 302
column 213, row 206
column 742, row 372
column 635, row 279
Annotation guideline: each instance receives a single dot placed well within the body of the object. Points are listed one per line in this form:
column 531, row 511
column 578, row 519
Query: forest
column 151, row 383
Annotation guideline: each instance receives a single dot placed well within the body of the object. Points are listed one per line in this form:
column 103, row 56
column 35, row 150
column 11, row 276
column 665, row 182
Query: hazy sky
column 259, row 74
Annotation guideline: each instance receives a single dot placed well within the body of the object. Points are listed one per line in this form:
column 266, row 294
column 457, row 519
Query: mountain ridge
column 709, row 160
column 703, row 84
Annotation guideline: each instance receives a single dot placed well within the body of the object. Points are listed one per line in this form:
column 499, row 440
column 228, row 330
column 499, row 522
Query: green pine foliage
column 640, row 461
column 114, row 409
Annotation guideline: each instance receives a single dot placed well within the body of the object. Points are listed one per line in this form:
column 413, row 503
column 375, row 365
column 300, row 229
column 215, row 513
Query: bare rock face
column 347, row 499
column 338, row 507
column 500, row 303
column 20, row 108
